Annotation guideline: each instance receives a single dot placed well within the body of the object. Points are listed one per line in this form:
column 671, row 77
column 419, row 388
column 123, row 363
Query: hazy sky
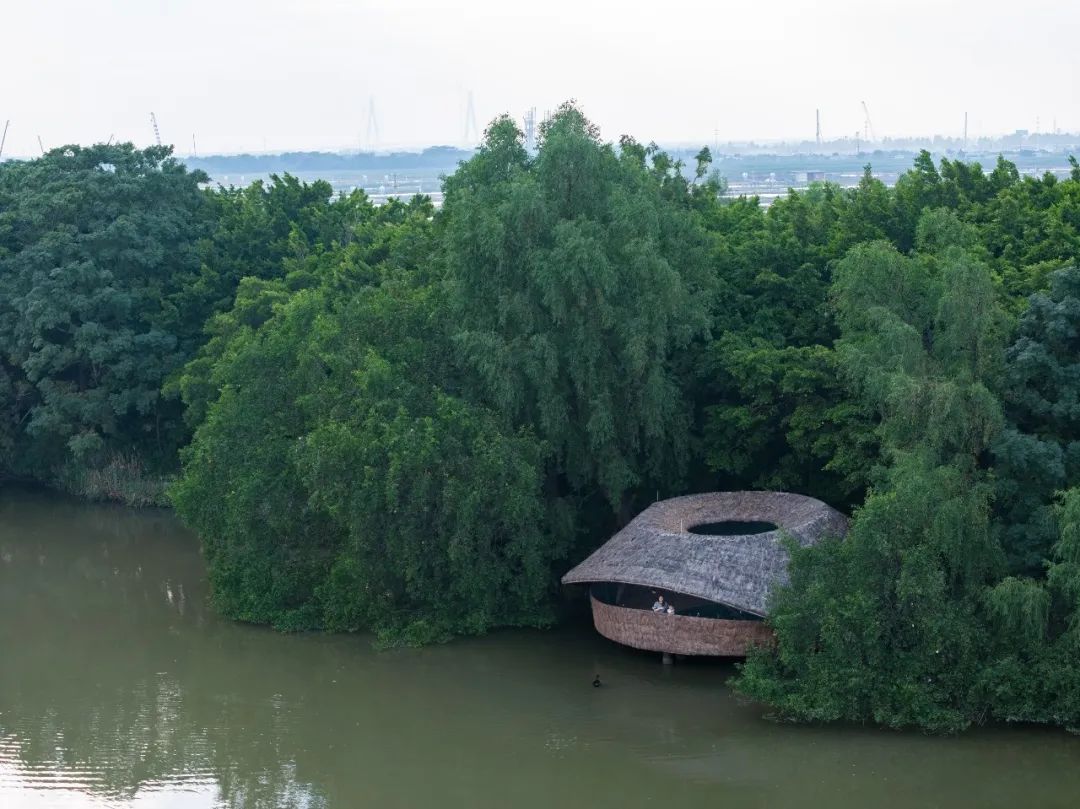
column 277, row 74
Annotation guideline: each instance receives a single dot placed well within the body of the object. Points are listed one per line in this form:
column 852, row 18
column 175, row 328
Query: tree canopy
column 574, row 279
column 410, row 421
column 94, row 242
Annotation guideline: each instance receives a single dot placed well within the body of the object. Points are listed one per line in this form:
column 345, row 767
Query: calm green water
column 118, row 687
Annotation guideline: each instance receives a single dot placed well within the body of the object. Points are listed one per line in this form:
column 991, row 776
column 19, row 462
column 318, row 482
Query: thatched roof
column 657, row 549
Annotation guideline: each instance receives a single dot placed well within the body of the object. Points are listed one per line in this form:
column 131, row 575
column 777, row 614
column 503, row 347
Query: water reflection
column 118, row 687
column 111, row 683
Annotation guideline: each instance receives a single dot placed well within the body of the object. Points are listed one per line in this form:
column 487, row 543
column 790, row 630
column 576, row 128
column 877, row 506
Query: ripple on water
column 64, row 781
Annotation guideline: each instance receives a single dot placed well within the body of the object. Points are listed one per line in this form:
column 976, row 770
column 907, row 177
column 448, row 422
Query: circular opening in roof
column 732, row 528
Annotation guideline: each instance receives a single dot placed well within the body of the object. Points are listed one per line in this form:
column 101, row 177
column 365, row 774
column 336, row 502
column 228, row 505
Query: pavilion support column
column 668, row 659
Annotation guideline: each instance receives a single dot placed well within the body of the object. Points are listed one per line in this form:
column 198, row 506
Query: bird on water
column 596, row 681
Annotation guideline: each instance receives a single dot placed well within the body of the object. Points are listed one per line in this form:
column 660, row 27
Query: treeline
column 411, row 421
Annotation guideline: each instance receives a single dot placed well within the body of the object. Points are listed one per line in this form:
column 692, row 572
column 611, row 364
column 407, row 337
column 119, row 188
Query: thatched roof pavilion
column 721, row 548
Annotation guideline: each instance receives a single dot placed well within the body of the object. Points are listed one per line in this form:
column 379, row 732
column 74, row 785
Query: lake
column 119, row 687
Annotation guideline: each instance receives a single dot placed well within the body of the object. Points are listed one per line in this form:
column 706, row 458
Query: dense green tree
column 93, row 241
column 397, row 233
column 336, row 485
column 784, row 419
column 916, row 191
column 261, row 231
column 1039, row 453
column 886, row 625
column 776, row 266
column 573, row 281
column 775, row 411
column 1034, row 675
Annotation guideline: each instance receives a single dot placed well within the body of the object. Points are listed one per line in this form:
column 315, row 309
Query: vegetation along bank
column 412, row 421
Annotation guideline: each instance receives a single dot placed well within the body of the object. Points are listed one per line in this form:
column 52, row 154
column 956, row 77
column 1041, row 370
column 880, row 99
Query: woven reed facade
column 658, row 552
column 677, row 634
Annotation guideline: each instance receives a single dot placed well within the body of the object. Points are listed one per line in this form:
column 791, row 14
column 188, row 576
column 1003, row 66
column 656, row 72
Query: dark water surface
column 118, row 687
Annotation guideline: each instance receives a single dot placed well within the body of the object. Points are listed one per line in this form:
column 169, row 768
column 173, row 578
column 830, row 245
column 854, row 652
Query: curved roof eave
column 656, row 550
column 760, row 612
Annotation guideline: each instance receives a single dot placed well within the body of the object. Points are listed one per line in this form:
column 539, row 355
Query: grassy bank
column 120, row 478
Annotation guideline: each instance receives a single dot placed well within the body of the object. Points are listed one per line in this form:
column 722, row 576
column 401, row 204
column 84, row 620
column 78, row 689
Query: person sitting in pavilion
column 659, row 606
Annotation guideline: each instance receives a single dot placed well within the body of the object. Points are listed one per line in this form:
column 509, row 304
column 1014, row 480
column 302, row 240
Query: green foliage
column 575, row 278
column 336, row 484
column 1040, row 452
column 886, row 625
column 881, row 626
column 411, row 421
column 790, row 422
column 1034, row 673
column 911, row 620
column 92, row 242
column 265, row 231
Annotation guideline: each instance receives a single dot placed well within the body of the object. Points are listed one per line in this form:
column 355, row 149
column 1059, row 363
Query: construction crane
column 3, row 137
column 868, row 128
column 157, row 132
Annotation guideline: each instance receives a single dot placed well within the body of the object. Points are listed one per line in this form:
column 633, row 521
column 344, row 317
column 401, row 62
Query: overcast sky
column 291, row 74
